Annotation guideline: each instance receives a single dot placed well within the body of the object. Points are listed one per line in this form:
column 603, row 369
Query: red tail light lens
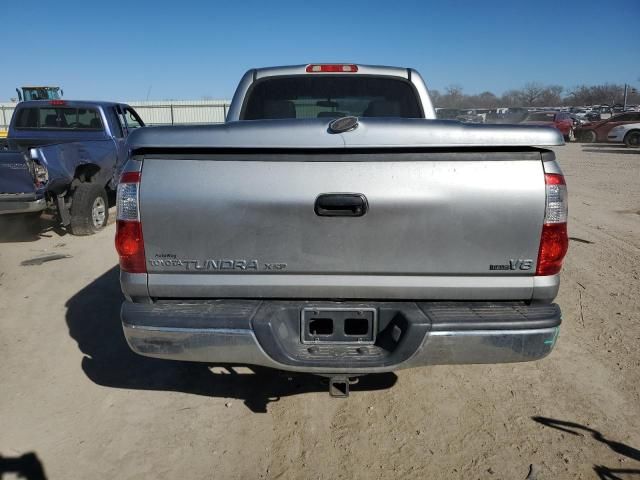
column 57, row 102
column 553, row 248
column 129, row 241
column 554, row 241
column 130, row 246
column 554, row 179
column 130, row 177
column 333, row 68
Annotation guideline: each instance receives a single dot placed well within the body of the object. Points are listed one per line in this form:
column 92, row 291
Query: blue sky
column 189, row 49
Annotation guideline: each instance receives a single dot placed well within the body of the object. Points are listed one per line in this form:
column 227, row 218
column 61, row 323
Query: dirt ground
column 77, row 403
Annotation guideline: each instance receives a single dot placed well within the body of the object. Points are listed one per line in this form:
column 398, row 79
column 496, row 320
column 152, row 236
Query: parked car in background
column 492, row 116
column 593, row 116
column 448, row 113
column 605, row 112
column 628, row 133
column 514, row 115
column 560, row 120
column 577, row 121
column 65, row 154
column 604, row 109
column 599, row 131
column 471, row 115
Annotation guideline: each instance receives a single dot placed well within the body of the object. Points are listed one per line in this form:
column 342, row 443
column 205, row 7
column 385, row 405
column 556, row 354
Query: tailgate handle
column 341, row 205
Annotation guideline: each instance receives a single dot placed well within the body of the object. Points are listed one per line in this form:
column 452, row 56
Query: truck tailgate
column 15, row 173
column 438, row 224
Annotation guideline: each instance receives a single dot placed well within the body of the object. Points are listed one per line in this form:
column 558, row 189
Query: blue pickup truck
column 64, row 155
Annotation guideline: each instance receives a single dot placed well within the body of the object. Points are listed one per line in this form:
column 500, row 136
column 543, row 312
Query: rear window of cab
column 58, row 118
column 306, row 96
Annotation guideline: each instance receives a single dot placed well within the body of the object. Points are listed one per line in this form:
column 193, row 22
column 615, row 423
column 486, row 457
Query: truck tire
column 589, row 136
column 632, row 139
column 89, row 209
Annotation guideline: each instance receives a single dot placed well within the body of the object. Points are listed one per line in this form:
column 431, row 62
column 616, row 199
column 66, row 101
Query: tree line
column 535, row 94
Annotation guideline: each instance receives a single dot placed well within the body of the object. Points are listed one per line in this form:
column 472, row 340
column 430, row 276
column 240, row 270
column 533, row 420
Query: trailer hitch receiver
column 339, row 386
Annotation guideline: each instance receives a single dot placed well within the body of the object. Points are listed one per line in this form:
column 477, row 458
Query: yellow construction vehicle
column 39, row 93
column 35, row 93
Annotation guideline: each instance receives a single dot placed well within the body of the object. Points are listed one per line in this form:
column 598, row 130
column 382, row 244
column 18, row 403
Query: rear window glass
column 332, row 97
column 55, row 118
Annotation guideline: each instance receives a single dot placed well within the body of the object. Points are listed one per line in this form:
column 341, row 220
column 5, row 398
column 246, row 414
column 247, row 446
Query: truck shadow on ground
column 26, row 228
column 93, row 319
column 602, row 471
column 609, row 148
column 19, row 228
column 603, row 145
column 27, row 466
column 632, row 151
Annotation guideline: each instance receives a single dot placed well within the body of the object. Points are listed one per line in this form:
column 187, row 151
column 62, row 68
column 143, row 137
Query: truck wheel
column 632, row 139
column 89, row 209
column 589, row 136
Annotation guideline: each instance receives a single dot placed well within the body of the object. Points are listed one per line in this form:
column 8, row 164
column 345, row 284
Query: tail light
column 129, row 242
column 332, row 68
column 40, row 173
column 554, row 241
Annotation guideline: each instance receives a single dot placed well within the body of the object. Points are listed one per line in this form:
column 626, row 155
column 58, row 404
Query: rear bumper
column 21, row 203
column 267, row 333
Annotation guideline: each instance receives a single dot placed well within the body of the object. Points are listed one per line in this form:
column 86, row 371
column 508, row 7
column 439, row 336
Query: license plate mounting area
column 338, row 325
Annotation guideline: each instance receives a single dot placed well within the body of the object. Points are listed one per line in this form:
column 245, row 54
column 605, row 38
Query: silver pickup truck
column 332, row 225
